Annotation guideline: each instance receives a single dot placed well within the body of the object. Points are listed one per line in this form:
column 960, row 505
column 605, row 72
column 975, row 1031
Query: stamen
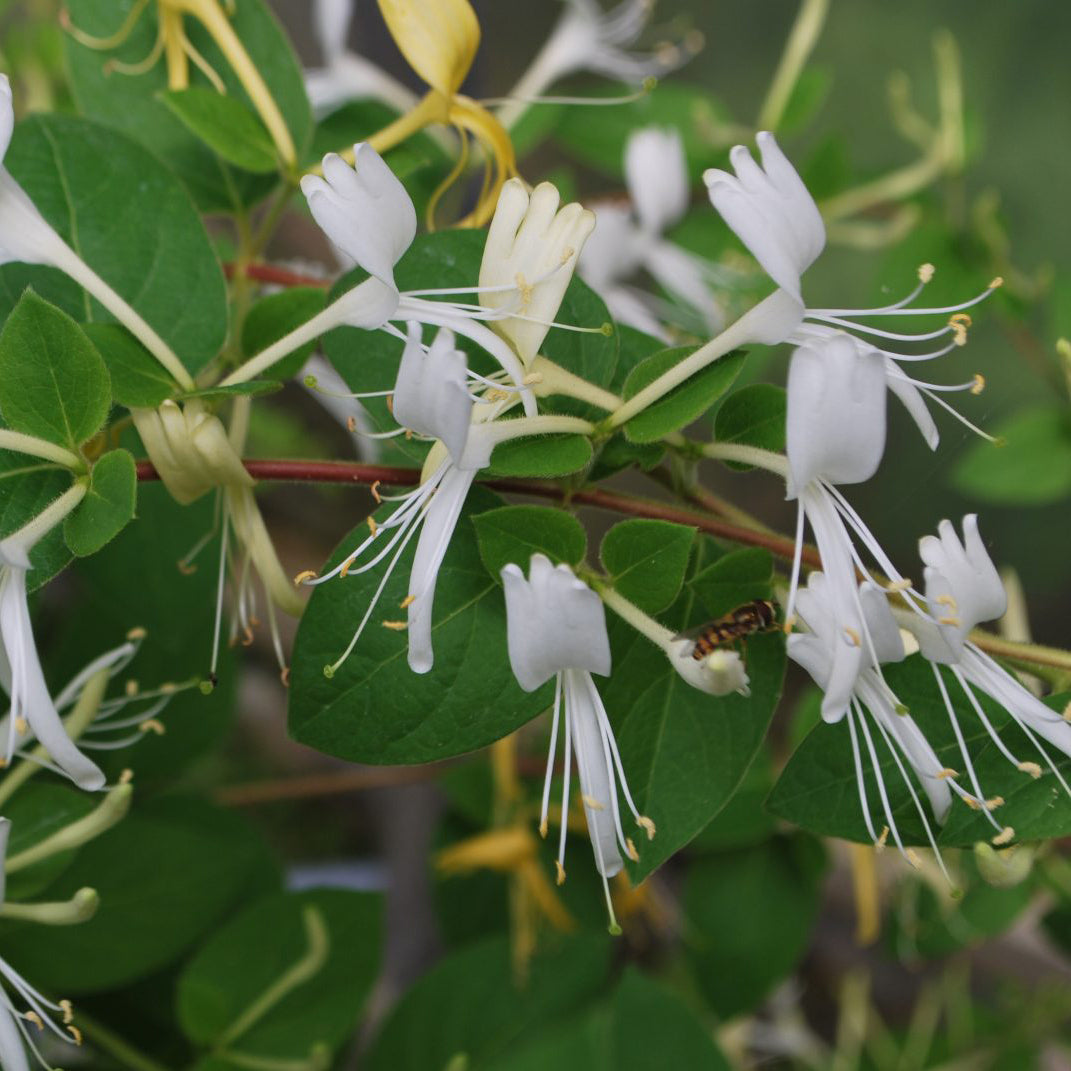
column 994, row 803
column 372, row 526
column 68, row 1011
column 630, row 850
column 76, row 1034
column 945, row 773
column 647, row 826
column 375, row 491
column 104, row 44
column 1031, row 768
column 550, row 757
column 926, row 273
column 407, row 602
column 34, row 1018
column 978, row 384
column 592, row 803
column 1004, row 837
column 151, row 725
column 883, row 839
column 560, row 871
column 142, row 66
column 395, row 626
column 853, row 636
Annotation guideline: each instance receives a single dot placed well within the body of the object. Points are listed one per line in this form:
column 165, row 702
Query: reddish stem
column 353, row 472
column 269, row 273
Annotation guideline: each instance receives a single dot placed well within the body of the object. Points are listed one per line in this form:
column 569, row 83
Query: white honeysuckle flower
column 556, row 628
column 429, row 398
column 719, row 673
column 817, row 650
column 626, row 241
column 364, row 209
column 589, row 38
column 963, row 587
column 18, row 1028
column 530, row 254
column 835, row 420
column 33, row 713
column 345, row 75
column 771, row 211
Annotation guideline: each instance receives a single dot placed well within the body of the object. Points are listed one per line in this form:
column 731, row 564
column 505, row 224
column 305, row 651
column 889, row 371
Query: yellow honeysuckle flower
column 175, row 46
column 439, row 39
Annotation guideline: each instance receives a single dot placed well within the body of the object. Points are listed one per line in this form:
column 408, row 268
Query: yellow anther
column 994, row 803
column 151, row 725
column 347, row 565
column 136, row 634
column 560, row 878
column 996, row 282
column 567, row 254
column 543, row 828
column 247, row 637
column 879, row 844
column 1031, row 768
column 913, row 859
column 926, row 272
column 284, row 676
column 946, row 600
column 351, row 423
column 304, row 575
column 68, row 1011
column 853, row 636
column 1067, row 712
column 630, row 850
column 972, row 803
column 903, row 584
column 126, row 777
column 947, row 772
column 979, row 383
column 953, row 621
column 131, row 688
column 34, row 1018
column 406, row 602
column 375, row 491
column 532, row 378
column 168, row 688
column 524, row 288
column 76, row 1034
column 790, row 624
column 390, row 404
column 592, row 803
column 962, row 319
column 1005, row 836
column 395, row 626
column 647, row 826
column 22, row 726
column 185, row 568
column 372, row 526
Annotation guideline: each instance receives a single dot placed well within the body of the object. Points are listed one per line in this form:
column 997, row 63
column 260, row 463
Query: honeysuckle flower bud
column 32, row 712
column 556, row 628
column 963, row 588
column 17, row 1028
column 363, row 209
column 657, row 177
column 530, row 254
column 835, row 421
column 773, row 214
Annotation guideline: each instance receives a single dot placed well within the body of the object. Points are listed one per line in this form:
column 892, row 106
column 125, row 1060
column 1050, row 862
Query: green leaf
column 238, row 965
column 750, row 915
column 130, row 220
column 634, row 347
column 132, row 102
column 646, row 561
column 753, row 416
column 227, row 126
column 684, row 752
column 167, row 873
column 374, row 709
column 515, row 533
column 53, row 383
column 541, row 456
column 1031, row 468
column 643, row 1026
column 734, row 579
column 36, row 811
column 684, row 404
column 618, row 453
column 743, row 821
column 108, row 506
column 817, row 789
column 138, row 378
column 470, row 1006
column 275, row 316
column 806, row 99
column 27, row 486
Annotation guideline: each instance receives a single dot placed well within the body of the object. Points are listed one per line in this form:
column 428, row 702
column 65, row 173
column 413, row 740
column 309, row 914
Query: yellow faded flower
column 439, row 39
column 173, row 44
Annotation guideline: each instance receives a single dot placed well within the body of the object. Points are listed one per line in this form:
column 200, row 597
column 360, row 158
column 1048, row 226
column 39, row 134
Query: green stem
column 553, row 379
column 105, row 1038
column 800, row 44
column 748, row 455
column 34, row 447
column 37, row 528
column 315, row 956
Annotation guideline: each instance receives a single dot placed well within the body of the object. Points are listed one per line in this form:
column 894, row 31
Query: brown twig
column 270, row 273
column 311, row 786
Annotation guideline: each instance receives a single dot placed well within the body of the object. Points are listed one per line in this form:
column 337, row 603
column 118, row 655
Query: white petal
column 597, row 784
column 431, row 394
column 5, row 833
column 331, row 24
column 12, row 1052
column 657, row 177
column 614, row 248
column 913, row 401
column 363, row 209
column 553, row 622
column 881, row 626
column 532, row 247
column 719, row 673
column 682, row 275
column 835, row 425
column 434, row 539
column 7, row 115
